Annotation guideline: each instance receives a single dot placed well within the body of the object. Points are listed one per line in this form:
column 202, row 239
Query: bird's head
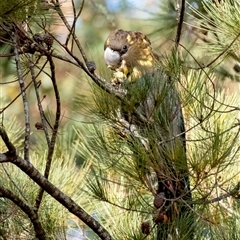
column 129, row 53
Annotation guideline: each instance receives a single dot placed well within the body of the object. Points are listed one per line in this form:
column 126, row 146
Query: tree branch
column 69, row 28
column 25, row 101
column 47, row 186
column 39, row 231
column 40, row 108
column 55, row 130
column 180, row 21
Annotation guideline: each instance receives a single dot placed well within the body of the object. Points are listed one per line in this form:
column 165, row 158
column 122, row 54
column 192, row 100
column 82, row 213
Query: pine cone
column 236, row 67
column 91, row 66
column 160, row 218
column 159, row 200
column 38, row 38
column 38, row 126
column 145, row 227
column 48, row 39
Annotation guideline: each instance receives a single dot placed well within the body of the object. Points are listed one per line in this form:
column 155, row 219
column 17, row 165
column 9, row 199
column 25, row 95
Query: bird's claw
column 118, row 78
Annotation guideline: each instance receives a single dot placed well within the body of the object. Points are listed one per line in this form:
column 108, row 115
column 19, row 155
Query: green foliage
column 222, row 23
column 18, row 11
column 64, row 174
column 120, row 159
column 117, row 179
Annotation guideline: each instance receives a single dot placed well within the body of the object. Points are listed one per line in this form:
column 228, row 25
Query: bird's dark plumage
column 129, row 54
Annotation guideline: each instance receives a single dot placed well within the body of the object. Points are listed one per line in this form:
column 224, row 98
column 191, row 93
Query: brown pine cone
column 160, row 218
column 38, row 126
column 91, row 65
column 37, row 37
column 145, row 227
column 159, row 200
column 48, row 40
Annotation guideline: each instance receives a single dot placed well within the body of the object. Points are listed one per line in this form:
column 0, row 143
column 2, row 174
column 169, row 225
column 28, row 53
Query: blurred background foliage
column 205, row 35
column 157, row 19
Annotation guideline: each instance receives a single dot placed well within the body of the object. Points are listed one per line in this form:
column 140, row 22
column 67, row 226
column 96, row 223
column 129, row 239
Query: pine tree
column 143, row 176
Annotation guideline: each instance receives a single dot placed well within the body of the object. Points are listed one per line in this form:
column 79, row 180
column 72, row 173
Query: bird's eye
column 124, row 49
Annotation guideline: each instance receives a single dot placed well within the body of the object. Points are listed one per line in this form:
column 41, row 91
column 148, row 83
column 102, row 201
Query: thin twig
column 232, row 193
column 132, row 130
column 73, row 26
column 11, row 148
column 26, row 87
column 39, row 102
column 62, row 16
column 221, row 54
column 234, row 108
column 25, row 101
column 4, row 108
column 180, row 22
column 55, row 130
column 76, row 16
column 14, row 184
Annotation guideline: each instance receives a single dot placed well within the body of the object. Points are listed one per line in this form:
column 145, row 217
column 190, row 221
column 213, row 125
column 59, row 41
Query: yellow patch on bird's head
column 129, row 39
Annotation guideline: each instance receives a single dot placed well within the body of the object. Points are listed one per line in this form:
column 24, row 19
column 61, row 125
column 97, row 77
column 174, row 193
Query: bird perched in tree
column 129, row 54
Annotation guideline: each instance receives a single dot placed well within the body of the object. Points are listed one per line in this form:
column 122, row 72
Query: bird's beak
column 112, row 58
